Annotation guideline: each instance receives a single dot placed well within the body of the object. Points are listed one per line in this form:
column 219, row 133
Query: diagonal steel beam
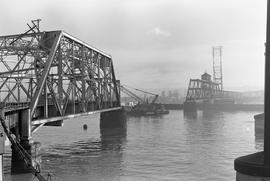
column 18, row 81
column 67, row 97
column 115, row 85
column 11, row 93
column 14, row 68
column 56, row 103
column 44, row 75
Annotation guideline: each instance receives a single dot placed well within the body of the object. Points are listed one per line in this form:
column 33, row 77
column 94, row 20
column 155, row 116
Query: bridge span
column 49, row 76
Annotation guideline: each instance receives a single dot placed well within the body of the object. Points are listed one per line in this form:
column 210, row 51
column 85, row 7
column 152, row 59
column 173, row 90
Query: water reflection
column 259, row 143
column 86, row 159
column 22, row 177
column 171, row 147
column 212, row 115
column 206, row 122
column 113, row 139
column 190, row 115
column 204, row 114
column 259, row 131
column 259, row 139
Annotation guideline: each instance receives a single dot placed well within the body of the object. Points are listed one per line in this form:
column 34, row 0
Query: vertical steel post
column 45, row 100
column 111, row 84
column 60, row 76
column 221, row 81
column 73, row 80
column 267, row 92
column 92, row 76
column 31, row 87
column 83, row 64
column 18, row 82
column 99, row 82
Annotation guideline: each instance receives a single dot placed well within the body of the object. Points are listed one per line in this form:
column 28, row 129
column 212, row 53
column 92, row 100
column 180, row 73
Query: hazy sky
column 157, row 44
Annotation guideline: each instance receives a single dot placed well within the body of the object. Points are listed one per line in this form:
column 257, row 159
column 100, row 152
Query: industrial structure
column 46, row 77
column 208, row 90
column 217, row 66
column 203, row 89
column 143, row 107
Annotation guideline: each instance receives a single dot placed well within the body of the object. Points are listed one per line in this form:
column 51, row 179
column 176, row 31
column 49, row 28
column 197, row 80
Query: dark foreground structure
column 256, row 167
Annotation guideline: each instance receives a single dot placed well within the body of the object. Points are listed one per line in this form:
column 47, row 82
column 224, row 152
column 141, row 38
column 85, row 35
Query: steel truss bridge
column 56, row 76
column 204, row 90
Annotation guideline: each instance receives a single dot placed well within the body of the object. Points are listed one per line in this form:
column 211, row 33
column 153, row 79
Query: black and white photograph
column 135, row 90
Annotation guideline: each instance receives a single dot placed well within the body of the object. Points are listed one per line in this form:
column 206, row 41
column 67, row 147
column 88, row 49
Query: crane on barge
column 143, row 107
column 155, row 98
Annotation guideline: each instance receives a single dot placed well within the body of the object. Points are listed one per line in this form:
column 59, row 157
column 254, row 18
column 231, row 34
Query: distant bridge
column 200, row 90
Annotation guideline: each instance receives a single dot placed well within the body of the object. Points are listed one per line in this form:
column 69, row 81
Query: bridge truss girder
column 203, row 90
column 55, row 69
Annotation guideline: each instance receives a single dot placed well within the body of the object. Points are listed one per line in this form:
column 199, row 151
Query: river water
column 170, row 147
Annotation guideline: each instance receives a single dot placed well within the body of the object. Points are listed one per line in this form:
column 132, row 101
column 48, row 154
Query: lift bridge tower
column 217, row 65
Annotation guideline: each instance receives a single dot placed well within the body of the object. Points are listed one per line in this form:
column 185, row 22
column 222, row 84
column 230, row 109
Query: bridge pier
column 113, row 119
column 18, row 164
column 190, row 106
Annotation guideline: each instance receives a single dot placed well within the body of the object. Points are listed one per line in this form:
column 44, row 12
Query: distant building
column 206, row 77
column 163, row 94
column 170, row 94
column 176, row 94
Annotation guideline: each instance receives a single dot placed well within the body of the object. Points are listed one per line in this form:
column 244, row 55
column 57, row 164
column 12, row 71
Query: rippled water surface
column 170, row 147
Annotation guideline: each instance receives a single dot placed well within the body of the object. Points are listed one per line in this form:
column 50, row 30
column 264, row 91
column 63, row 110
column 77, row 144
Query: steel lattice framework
column 217, row 65
column 55, row 74
column 203, row 90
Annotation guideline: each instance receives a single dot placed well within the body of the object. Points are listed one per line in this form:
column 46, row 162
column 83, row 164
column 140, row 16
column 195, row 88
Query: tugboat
column 143, row 108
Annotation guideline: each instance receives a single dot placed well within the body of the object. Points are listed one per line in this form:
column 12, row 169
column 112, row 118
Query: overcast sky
column 157, row 44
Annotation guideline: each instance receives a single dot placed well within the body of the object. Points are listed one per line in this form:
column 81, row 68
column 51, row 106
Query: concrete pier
column 190, row 106
column 113, row 119
column 18, row 164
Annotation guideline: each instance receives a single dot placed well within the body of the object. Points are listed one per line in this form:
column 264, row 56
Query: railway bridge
column 49, row 76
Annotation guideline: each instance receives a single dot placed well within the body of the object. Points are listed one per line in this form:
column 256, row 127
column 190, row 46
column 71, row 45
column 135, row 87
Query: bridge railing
column 7, row 106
